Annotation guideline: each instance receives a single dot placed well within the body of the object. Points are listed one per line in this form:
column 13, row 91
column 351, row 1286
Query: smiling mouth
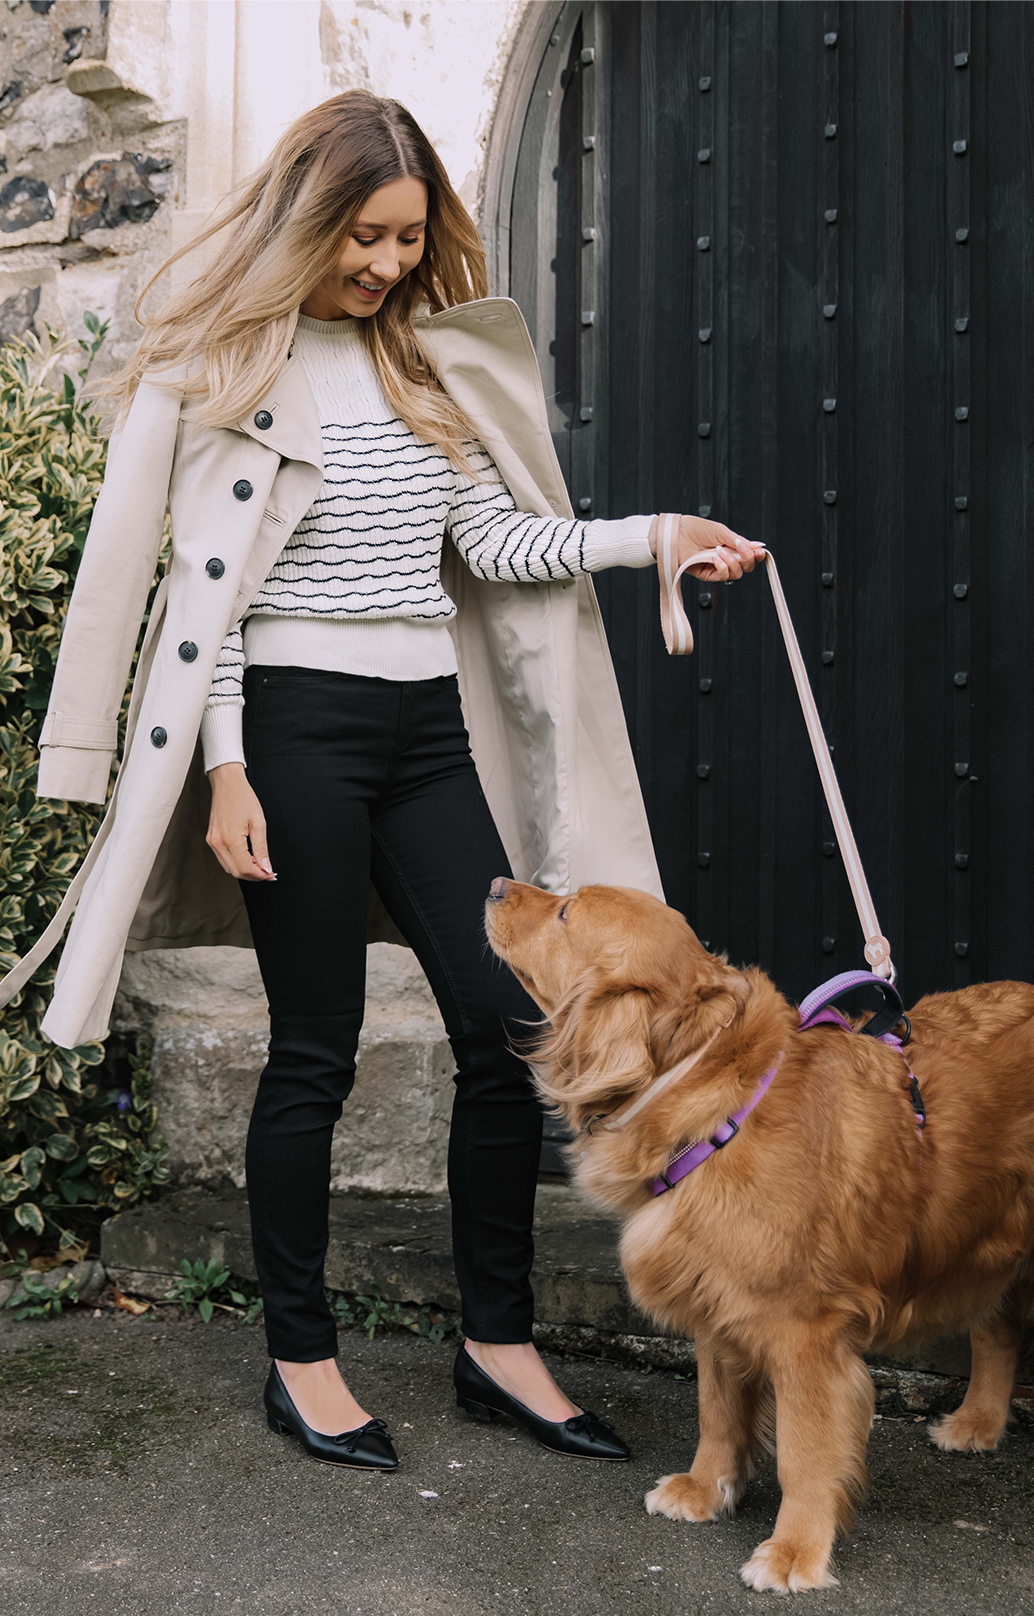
column 371, row 288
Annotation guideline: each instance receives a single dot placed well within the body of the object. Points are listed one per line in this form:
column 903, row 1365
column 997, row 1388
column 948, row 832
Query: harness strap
column 678, row 637
column 817, row 1011
column 690, row 1157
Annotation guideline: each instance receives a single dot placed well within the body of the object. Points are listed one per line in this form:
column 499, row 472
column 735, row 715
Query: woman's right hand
column 237, row 819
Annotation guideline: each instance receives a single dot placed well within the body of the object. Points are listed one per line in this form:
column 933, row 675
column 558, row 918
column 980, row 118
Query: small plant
column 374, row 1312
column 16, row 1264
column 204, row 1285
column 35, row 1299
column 436, row 1326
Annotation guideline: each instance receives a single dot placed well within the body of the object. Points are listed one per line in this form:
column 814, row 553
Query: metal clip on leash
column 678, row 637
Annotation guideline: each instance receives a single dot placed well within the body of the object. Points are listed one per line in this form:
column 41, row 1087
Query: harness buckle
column 918, row 1105
column 720, row 1144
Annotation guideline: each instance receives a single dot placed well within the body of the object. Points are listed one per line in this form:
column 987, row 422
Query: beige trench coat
column 539, row 695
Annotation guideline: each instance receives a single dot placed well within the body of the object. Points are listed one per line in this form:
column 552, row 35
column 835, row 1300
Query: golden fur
column 826, row 1228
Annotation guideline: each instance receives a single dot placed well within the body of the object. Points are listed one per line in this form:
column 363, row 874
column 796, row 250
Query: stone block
column 53, row 116
column 32, row 211
column 90, row 1279
column 28, row 297
column 18, row 312
column 88, row 76
column 205, row 1010
column 403, row 1246
column 118, row 190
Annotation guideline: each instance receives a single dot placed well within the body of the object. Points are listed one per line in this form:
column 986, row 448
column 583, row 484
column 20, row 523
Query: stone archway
column 773, row 257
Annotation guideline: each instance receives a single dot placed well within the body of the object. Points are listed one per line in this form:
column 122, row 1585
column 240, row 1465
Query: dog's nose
column 497, row 891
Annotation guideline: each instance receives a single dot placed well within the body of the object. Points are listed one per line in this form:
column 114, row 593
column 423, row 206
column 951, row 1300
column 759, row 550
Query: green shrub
column 35, row 1299
column 68, row 1141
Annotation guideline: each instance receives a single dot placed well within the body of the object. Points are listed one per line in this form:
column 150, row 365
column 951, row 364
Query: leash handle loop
column 678, row 637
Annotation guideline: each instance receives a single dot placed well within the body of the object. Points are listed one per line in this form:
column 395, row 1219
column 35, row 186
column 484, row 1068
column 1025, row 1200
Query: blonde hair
column 232, row 327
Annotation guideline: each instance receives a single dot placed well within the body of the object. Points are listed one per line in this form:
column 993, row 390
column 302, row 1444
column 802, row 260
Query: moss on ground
column 71, row 1410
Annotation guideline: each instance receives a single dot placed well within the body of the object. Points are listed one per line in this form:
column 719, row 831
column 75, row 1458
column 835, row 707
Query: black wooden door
column 778, row 261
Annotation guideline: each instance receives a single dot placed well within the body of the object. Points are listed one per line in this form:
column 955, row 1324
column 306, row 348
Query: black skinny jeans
column 362, row 777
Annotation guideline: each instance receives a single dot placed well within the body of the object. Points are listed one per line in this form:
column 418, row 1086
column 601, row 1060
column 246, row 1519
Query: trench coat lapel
column 294, row 431
column 483, row 355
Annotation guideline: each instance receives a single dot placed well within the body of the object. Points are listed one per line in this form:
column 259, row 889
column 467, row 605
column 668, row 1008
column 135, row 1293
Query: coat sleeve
column 79, row 734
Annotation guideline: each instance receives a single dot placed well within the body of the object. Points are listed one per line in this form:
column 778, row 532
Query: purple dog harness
column 816, row 1011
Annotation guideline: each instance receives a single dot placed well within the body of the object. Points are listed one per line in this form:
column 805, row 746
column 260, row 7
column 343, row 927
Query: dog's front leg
column 730, row 1412
column 824, row 1404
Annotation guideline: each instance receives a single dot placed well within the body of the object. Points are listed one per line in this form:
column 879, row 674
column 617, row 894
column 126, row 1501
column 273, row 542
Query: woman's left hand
column 734, row 555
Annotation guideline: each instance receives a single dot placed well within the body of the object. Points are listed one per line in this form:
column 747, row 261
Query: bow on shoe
column 589, row 1425
column 349, row 1440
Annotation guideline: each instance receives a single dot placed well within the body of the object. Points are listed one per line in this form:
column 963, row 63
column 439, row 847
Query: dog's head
column 625, row 984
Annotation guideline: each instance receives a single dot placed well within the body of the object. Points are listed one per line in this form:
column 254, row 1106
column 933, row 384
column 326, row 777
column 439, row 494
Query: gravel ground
column 139, row 1476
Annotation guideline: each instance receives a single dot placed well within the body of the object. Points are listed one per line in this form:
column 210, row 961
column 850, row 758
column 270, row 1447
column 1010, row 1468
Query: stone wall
column 90, row 172
column 124, row 122
column 205, row 1010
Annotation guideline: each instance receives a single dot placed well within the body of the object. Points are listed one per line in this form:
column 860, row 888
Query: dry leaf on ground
column 131, row 1304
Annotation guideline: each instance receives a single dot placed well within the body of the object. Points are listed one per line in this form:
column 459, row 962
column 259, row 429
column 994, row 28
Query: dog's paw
column 968, row 1430
column 788, row 1568
column 683, row 1498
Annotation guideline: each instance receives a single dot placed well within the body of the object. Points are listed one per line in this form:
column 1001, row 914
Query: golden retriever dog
column 826, row 1226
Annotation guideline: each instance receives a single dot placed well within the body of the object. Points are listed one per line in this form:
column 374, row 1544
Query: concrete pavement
column 139, row 1477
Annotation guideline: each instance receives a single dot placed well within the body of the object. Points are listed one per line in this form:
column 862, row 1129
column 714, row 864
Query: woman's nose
column 497, row 891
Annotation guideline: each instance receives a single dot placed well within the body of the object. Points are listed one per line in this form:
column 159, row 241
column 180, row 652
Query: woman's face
column 386, row 242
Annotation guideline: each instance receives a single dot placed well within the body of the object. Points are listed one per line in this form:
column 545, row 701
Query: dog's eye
column 562, row 915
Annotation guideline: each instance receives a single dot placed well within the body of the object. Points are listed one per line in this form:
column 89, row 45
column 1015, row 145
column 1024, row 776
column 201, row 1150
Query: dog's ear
column 695, row 1007
column 600, row 1045
column 725, row 982
column 613, row 1038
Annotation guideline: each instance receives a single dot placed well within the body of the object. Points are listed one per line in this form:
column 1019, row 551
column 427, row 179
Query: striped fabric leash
column 678, row 637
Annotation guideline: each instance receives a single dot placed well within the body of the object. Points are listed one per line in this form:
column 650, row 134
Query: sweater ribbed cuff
column 222, row 734
column 624, row 543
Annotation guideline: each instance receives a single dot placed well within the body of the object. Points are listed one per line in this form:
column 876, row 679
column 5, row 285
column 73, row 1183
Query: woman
column 368, row 523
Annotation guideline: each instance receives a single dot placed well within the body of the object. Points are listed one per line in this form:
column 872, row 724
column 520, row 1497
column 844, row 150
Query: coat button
column 263, row 420
column 243, row 489
column 158, row 736
column 215, row 568
column 187, row 651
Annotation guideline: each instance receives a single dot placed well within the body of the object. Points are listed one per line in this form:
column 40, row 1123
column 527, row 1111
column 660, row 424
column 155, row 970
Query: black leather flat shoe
column 583, row 1436
column 368, row 1447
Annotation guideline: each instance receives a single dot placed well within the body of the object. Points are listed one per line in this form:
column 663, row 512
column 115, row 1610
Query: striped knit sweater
column 356, row 587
